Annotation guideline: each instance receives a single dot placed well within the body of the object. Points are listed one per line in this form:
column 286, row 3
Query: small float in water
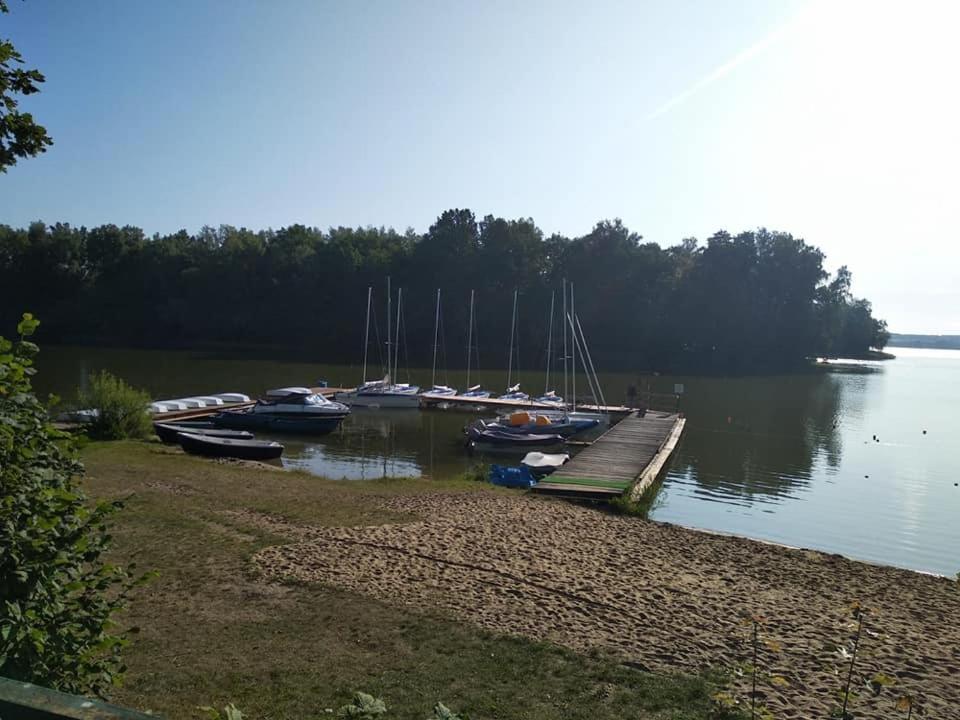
column 225, row 447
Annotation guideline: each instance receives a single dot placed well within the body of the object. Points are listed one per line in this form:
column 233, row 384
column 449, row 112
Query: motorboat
column 292, row 409
column 225, row 447
column 522, row 423
column 488, row 439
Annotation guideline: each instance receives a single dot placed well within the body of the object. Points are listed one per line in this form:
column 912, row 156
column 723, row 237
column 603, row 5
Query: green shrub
column 122, row 410
column 56, row 594
column 363, row 707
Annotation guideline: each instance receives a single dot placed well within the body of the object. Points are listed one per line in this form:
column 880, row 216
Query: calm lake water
column 789, row 458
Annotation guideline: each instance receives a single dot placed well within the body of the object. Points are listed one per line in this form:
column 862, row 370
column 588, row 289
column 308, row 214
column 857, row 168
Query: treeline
column 758, row 300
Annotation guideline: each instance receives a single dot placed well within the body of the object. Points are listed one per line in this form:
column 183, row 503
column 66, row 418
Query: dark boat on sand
column 225, row 447
column 168, row 432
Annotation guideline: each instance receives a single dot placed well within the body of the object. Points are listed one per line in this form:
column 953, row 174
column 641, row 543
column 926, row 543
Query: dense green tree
column 57, row 593
column 20, row 135
column 754, row 301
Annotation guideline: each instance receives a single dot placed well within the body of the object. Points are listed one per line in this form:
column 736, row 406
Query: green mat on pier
column 595, row 482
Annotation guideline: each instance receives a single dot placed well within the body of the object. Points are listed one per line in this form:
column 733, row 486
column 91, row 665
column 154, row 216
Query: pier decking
column 625, row 459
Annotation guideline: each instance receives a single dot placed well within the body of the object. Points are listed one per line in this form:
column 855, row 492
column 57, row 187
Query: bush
column 56, row 594
column 122, row 410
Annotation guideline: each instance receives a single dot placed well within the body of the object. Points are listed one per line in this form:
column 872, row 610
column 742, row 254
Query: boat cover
column 544, row 460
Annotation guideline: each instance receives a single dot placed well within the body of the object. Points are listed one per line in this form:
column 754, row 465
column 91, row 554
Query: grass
column 212, row 632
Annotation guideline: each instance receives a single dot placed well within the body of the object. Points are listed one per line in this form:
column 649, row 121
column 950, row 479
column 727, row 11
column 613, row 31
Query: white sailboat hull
column 381, row 400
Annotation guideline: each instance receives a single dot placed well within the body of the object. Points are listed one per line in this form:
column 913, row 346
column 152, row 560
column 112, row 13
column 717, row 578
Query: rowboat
column 225, row 447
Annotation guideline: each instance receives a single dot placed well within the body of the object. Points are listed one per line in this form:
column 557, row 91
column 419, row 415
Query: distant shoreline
column 925, row 342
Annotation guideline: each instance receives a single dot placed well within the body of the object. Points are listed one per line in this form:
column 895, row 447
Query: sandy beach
column 662, row 597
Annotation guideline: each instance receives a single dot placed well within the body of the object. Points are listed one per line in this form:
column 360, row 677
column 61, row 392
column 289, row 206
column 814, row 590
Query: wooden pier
column 626, row 459
column 200, row 413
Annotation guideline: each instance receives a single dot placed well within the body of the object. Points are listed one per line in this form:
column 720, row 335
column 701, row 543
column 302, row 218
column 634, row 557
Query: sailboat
column 513, row 391
column 383, row 393
column 473, row 391
column 550, row 396
column 442, row 390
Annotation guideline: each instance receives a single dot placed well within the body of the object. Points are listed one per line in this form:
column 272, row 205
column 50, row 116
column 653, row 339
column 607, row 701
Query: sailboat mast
column 366, row 335
column 389, row 306
column 513, row 327
column 546, row 385
column 396, row 345
column 436, row 335
column 563, row 326
column 573, row 369
column 470, row 339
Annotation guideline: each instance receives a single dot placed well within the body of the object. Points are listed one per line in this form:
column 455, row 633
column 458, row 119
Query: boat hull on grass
column 263, row 422
column 169, row 432
column 227, row 448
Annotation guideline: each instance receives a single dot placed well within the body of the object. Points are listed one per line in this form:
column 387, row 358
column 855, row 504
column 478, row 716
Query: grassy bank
column 212, row 631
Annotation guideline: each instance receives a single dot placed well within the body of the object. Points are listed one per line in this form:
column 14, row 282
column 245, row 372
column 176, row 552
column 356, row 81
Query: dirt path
column 665, row 597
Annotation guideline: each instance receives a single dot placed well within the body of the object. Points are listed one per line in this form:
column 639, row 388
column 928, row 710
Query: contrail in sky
column 725, row 69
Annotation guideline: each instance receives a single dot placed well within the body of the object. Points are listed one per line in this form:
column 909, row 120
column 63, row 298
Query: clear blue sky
column 837, row 121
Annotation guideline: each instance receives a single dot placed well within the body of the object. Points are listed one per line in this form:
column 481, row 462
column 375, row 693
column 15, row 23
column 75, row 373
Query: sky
column 835, row 120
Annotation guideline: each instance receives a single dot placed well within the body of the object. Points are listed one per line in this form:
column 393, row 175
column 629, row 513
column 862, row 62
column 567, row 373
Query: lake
column 833, row 461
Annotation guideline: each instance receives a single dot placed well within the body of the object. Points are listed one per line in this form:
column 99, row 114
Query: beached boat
column 225, row 447
column 168, row 432
column 292, row 409
column 513, row 477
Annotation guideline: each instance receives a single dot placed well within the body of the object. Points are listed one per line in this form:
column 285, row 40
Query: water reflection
column 757, row 440
column 372, row 444
column 792, row 459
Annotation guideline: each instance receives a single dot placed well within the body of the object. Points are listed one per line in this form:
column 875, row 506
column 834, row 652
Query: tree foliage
column 20, row 135
column 121, row 409
column 57, row 595
column 752, row 301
